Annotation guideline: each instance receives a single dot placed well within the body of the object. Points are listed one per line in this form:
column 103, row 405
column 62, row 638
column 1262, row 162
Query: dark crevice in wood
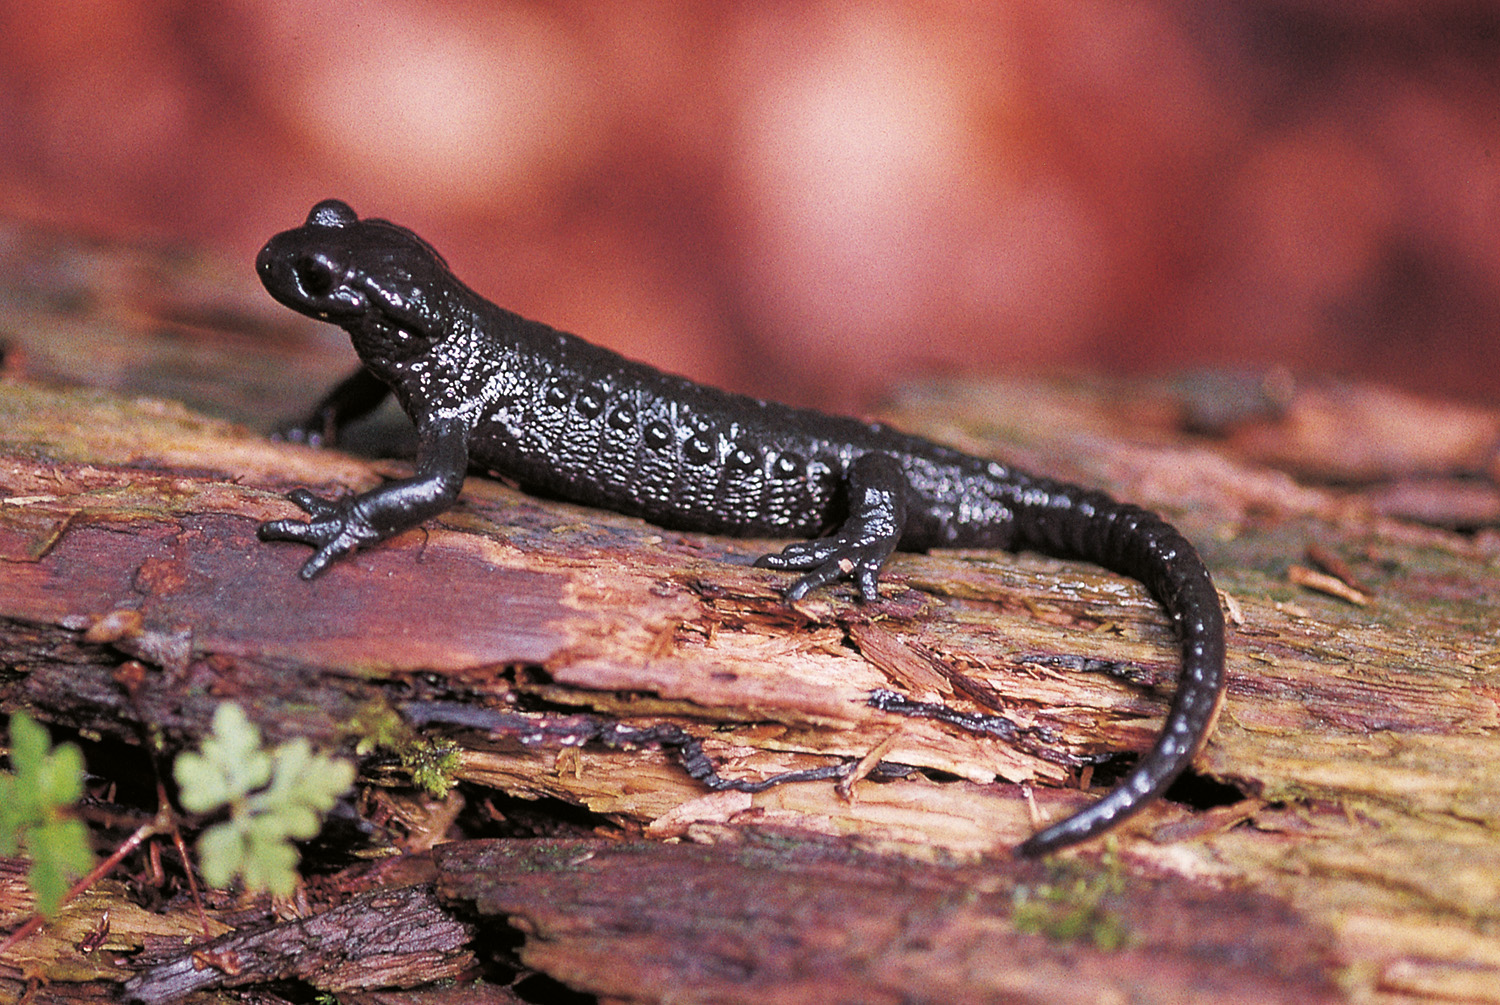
column 1200, row 792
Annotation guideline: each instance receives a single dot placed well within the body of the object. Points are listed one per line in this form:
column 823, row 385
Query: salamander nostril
column 315, row 274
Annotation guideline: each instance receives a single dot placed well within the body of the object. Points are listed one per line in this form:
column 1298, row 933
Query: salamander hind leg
column 877, row 491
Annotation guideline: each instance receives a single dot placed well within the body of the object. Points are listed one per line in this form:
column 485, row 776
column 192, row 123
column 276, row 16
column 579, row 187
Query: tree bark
column 1338, row 842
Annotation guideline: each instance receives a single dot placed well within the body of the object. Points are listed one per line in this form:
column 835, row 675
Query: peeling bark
column 1339, row 843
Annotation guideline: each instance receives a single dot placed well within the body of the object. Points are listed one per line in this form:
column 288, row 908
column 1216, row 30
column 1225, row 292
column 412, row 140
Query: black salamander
column 489, row 388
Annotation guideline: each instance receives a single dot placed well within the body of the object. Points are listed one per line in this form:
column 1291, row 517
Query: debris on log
column 384, row 938
column 602, row 699
column 796, row 922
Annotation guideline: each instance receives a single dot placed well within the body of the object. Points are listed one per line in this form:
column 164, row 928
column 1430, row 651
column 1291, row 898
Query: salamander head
column 380, row 282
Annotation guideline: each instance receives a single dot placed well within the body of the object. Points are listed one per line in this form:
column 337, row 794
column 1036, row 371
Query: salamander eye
column 315, row 274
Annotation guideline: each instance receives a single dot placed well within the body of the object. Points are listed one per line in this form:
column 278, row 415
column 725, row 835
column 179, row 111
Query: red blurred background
column 813, row 200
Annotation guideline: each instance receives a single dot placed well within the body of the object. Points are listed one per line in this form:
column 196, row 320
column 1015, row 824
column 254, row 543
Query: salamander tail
column 1068, row 522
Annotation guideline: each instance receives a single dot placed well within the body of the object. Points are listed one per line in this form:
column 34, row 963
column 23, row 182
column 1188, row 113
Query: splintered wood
column 127, row 532
column 582, row 674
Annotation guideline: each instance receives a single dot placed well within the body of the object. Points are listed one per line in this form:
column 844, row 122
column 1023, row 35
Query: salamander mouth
column 380, row 336
column 340, row 308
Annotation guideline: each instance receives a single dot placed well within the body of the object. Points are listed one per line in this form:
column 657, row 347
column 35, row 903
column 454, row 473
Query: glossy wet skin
column 488, row 387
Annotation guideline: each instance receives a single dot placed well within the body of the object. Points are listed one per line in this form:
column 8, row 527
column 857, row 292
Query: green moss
column 1070, row 906
column 431, row 762
column 432, row 765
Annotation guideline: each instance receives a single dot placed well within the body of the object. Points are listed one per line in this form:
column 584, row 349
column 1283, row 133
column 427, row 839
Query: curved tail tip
column 1038, row 844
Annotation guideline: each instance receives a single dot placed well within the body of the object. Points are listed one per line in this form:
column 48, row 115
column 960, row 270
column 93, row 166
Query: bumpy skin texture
column 489, row 388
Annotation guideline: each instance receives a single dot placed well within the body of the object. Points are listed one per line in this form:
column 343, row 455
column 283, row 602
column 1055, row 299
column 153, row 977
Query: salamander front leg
column 339, row 526
column 857, row 550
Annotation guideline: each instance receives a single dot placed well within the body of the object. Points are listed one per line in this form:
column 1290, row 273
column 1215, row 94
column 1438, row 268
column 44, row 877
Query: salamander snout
column 308, row 276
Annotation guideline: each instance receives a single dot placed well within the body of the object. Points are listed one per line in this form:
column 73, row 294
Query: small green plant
column 273, row 797
column 36, row 801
